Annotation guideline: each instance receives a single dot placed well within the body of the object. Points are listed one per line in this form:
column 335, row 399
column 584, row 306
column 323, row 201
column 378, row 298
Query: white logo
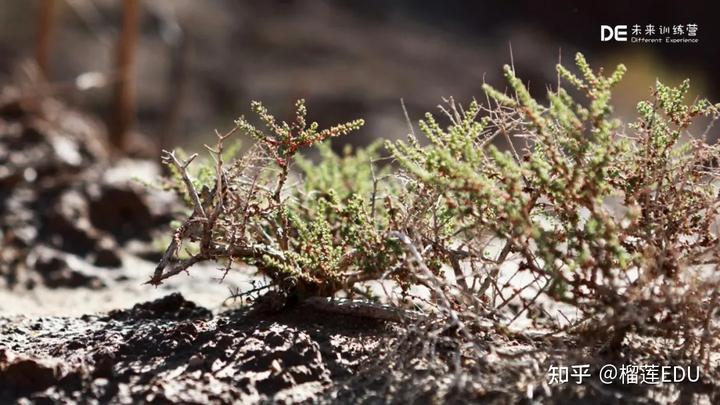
column 618, row 32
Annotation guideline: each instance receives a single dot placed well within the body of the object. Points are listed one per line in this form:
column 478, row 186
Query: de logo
column 610, row 32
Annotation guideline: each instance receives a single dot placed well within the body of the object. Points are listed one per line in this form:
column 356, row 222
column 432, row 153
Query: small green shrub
column 628, row 266
column 310, row 240
column 619, row 221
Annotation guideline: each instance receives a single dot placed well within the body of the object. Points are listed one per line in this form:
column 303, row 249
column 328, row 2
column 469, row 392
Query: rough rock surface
column 172, row 351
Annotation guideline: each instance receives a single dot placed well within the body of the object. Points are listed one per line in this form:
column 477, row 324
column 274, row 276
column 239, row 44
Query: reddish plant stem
column 124, row 97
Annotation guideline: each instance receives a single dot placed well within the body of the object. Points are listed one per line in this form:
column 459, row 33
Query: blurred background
column 193, row 66
column 86, row 83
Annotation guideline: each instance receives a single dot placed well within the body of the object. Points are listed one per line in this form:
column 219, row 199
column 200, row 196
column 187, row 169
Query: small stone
column 106, row 254
column 196, row 361
column 27, row 374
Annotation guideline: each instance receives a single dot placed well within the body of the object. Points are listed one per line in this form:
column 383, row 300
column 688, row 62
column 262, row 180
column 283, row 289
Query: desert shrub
column 312, row 239
column 618, row 221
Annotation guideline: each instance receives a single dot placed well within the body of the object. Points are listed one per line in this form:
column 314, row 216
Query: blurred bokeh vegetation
column 198, row 63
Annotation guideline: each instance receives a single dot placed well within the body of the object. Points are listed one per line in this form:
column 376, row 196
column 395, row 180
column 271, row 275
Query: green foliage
column 612, row 219
column 315, row 239
column 348, row 173
column 550, row 202
column 285, row 138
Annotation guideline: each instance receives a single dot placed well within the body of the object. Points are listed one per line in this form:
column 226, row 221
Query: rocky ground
column 80, row 230
column 171, row 350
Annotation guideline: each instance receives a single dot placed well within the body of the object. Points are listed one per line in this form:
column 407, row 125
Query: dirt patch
column 171, row 350
column 172, row 306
